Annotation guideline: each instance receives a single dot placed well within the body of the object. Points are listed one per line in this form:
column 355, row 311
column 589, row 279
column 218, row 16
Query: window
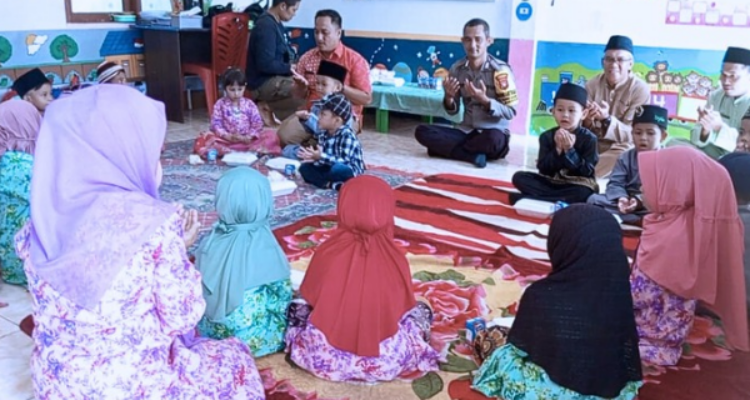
column 98, row 10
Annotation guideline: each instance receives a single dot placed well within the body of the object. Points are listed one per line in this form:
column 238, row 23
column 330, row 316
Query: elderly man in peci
column 614, row 96
column 719, row 121
column 357, row 87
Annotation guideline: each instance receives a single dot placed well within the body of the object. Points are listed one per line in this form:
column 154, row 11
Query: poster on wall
column 720, row 13
column 680, row 80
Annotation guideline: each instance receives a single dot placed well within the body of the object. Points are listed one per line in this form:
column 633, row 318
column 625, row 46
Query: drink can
column 289, row 170
column 474, row 326
column 211, row 156
column 560, row 205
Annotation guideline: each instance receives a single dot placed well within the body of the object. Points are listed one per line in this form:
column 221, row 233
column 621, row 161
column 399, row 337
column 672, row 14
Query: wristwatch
column 607, row 121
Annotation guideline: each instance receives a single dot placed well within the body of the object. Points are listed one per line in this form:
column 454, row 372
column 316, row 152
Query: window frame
column 71, row 17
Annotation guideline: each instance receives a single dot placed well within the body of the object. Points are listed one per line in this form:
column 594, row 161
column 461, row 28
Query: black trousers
column 447, row 142
column 538, row 187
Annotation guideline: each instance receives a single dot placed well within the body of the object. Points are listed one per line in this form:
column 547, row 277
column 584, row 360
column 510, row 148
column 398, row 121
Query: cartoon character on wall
column 441, row 73
column 63, row 48
column 422, row 73
column 432, row 54
column 403, row 71
column 6, row 50
column 34, row 43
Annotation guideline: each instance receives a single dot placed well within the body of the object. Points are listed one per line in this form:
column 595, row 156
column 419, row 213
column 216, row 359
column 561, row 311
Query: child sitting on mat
column 329, row 80
column 33, row 87
column 567, row 154
column 236, row 124
column 337, row 156
column 111, row 72
column 623, row 195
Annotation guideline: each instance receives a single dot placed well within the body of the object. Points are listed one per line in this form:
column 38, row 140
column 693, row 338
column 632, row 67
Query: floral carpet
column 471, row 255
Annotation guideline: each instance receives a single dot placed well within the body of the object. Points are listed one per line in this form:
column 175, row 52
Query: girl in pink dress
column 115, row 299
column 690, row 251
column 358, row 320
column 236, row 124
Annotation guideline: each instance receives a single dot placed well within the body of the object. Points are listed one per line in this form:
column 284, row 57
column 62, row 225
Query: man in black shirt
column 269, row 62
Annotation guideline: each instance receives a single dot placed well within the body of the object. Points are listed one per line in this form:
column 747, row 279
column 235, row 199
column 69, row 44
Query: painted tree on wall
column 63, row 48
column 6, row 50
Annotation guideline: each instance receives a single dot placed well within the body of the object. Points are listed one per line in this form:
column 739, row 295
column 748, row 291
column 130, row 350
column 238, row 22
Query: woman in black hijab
column 738, row 165
column 574, row 336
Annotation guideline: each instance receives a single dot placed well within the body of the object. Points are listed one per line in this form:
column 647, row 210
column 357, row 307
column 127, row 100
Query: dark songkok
column 737, row 55
column 29, row 81
column 332, row 70
column 573, row 92
column 620, row 43
column 649, row 114
column 339, row 106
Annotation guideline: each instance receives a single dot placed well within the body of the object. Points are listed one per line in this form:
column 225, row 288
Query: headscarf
column 578, row 322
column 107, row 71
column 94, row 196
column 738, row 166
column 241, row 252
column 692, row 243
column 358, row 281
column 19, row 126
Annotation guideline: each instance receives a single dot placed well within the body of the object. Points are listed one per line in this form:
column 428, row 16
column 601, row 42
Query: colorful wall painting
column 680, row 79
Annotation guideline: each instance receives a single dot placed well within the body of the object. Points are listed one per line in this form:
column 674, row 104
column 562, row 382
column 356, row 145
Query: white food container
column 534, row 208
column 235, row 159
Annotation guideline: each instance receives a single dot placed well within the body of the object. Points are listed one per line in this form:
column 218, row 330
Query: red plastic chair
column 229, row 41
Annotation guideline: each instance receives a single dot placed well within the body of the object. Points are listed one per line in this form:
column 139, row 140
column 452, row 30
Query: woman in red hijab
column 690, row 251
column 365, row 324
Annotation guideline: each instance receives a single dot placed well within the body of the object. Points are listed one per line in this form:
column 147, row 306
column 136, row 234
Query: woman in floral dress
column 690, row 250
column 236, row 124
column 574, row 336
column 115, row 298
column 19, row 127
column 245, row 273
column 358, row 320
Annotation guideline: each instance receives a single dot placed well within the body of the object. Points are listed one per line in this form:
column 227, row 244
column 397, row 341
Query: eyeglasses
column 619, row 60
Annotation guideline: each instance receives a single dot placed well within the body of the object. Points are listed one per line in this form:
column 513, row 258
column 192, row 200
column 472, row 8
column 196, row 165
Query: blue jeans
column 323, row 176
column 290, row 151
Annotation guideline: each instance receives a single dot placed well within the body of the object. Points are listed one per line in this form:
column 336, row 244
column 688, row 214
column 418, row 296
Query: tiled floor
column 397, row 150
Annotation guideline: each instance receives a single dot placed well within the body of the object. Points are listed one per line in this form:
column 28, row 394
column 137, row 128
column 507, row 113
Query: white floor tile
column 15, row 380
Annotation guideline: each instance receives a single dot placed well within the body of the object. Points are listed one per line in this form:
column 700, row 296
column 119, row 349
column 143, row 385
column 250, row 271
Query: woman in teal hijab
column 245, row 273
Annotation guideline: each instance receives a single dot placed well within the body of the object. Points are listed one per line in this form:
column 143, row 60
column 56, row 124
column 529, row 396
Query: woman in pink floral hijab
column 116, row 299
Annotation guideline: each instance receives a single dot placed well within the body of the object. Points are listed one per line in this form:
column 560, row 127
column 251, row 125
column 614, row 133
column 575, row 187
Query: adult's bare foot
column 269, row 119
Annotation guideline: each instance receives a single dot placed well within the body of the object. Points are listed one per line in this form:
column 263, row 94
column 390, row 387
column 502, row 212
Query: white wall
column 21, row 15
column 589, row 21
column 427, row 17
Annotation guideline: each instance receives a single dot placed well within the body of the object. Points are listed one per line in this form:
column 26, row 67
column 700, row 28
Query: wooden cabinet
column 134, row 65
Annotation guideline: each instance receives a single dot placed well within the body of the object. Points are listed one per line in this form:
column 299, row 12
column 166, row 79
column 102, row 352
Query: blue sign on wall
column 524, row 11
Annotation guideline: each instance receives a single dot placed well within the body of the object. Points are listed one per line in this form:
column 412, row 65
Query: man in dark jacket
column 269, row 62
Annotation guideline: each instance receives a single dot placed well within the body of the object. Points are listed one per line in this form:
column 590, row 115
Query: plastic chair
column 229, row 41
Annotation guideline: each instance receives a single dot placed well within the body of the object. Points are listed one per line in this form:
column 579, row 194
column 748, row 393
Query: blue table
column 409, row 99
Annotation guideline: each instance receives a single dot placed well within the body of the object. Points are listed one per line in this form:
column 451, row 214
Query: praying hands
column 190, row 225
column 627, row 205
column 564, row 141
column 309, row 154
column 598, row 111
column 709, row 120
column 478, row 93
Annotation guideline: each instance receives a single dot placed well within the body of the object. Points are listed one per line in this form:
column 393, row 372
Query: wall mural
column 680, row 80
column 66, row 57
column 724, row 13
column 408, row 58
